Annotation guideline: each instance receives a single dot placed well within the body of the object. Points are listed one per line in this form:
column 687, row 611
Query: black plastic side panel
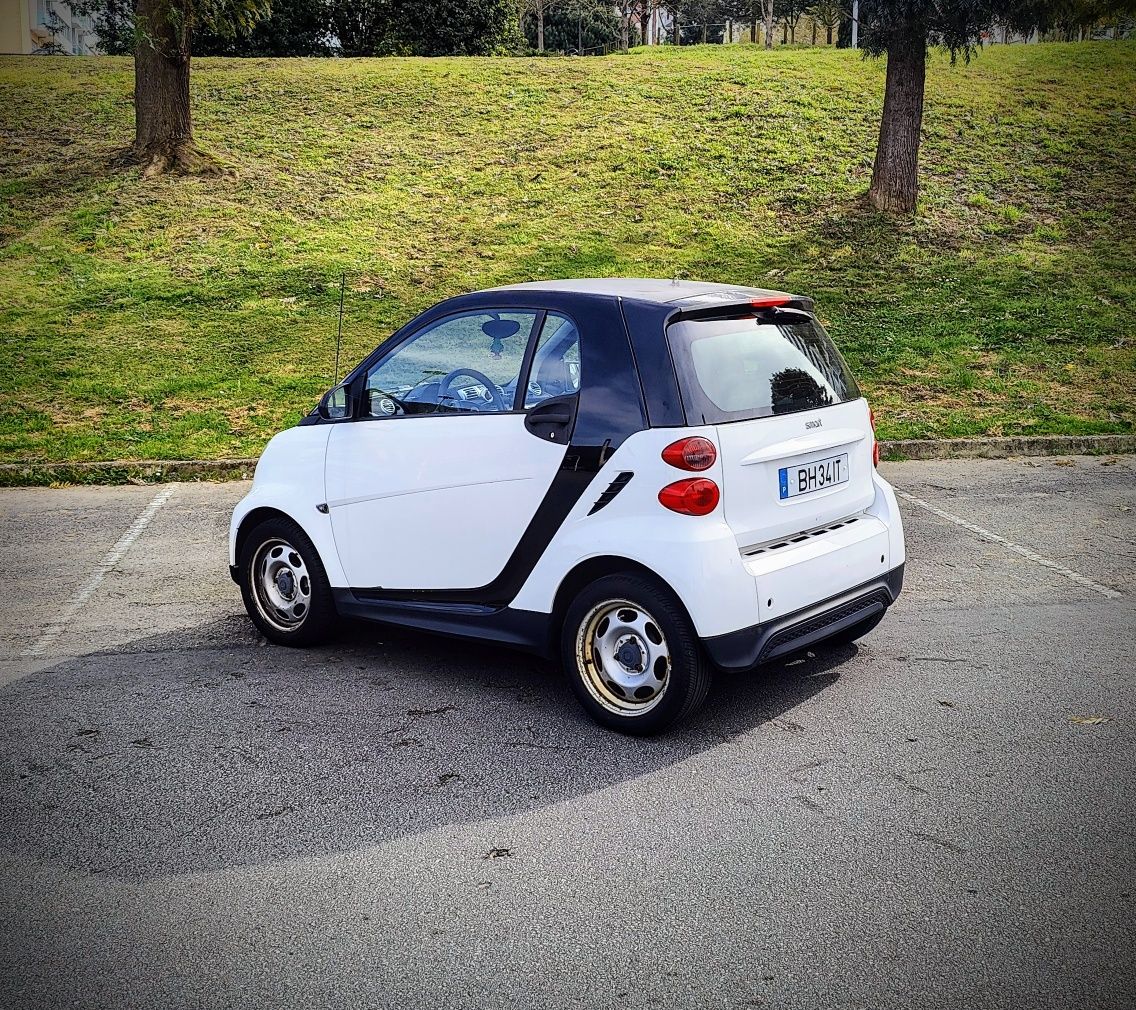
column 744, row 649
column 519, row 629
column 647, row 327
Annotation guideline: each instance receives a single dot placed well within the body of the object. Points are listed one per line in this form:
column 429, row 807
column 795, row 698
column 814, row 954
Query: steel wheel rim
column 623, row 657
column 281, row 585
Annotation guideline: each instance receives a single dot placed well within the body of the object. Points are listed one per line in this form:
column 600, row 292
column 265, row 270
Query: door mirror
column 335, row 405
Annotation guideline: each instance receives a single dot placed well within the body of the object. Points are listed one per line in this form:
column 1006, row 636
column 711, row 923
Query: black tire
column 318, row 619
column 859, row 630
column 586, row 640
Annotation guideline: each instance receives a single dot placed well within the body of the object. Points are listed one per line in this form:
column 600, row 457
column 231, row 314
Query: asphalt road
column 192, row 818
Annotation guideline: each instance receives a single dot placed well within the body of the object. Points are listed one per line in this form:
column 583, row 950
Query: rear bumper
column 746, row 648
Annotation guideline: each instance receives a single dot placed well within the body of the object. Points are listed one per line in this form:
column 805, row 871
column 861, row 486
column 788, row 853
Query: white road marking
column 1025, row 552
column 110, row 559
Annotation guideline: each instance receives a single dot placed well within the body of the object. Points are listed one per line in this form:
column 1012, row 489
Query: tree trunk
column 753, row 31
column 829, row 34
column 768, row 24
column 674, row 28
column 540, row 27
column 625, row 32
column 814, row 42
column 645, row 25
column 895, row 176
column 163, row 129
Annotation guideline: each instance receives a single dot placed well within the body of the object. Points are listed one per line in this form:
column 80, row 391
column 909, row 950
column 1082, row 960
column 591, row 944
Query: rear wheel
column 284, row 586
column 631, row 653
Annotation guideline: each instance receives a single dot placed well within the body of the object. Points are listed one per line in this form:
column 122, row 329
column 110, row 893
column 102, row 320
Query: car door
column 433, row 485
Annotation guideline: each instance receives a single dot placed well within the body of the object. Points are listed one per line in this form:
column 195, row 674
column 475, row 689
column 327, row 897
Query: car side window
column 468, row 363
column 555, row 367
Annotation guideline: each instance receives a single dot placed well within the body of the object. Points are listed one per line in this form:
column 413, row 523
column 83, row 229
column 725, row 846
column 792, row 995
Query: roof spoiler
column 740, row 309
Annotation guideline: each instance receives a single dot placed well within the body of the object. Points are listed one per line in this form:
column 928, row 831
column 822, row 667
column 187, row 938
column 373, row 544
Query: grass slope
column 190, row 318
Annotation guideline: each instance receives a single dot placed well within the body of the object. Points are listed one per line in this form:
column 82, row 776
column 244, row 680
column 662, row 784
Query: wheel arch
column 591, row 569
column 253, row 518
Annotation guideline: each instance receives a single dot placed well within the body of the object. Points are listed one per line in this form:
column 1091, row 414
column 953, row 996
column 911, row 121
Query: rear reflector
column 695, row 496
column 695, row 453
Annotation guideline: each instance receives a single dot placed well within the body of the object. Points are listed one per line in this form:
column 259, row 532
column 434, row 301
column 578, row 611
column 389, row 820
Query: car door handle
column 552, row 420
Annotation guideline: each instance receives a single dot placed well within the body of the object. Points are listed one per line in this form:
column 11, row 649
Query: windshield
column 736, row 369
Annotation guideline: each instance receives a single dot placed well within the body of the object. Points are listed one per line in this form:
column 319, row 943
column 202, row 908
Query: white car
column 648, row 478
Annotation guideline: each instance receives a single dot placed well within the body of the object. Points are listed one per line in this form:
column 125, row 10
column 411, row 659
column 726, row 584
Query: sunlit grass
column 190, row 318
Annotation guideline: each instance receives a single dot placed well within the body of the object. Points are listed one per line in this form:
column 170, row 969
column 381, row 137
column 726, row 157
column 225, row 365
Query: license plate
column 809, row 477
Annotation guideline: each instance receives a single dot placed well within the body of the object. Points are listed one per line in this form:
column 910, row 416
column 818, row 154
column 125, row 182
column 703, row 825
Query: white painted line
column 1025, row 552
column 110, row 559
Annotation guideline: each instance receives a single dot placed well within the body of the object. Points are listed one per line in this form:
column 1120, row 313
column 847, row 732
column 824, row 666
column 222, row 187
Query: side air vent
column 621, row 481
column 799, row 538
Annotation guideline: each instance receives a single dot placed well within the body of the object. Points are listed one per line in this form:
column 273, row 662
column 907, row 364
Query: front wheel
column 632, row 656
column 284, row 586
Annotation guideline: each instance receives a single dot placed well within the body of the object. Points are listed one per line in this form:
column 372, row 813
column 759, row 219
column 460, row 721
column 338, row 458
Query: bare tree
column 538, row 9
column 828, row 14
column 626, row 10
column 646, row 9
column 791, row 13
column 549, row 17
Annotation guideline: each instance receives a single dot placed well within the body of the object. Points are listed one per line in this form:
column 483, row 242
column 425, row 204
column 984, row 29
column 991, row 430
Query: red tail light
column 695, row 453
column 771, row 301
column 695, row 496
column 875, row 441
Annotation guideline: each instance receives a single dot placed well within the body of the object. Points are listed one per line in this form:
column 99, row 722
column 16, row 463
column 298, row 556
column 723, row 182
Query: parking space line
column 1025, row 552
column 110, row 559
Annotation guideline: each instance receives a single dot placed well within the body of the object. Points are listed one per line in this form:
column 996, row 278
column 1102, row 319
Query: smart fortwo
column 648, row 478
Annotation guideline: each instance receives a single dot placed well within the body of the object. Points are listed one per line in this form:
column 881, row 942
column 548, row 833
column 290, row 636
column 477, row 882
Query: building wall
column 15, row 26
column 26, row 27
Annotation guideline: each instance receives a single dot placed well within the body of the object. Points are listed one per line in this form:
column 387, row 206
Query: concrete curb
column 1004, row 448
column 123, row 471
column 30, row 474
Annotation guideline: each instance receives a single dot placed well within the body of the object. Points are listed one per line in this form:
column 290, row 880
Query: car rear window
column 758, row 366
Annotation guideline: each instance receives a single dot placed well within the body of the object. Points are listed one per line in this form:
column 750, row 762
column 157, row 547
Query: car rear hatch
column 794, row 434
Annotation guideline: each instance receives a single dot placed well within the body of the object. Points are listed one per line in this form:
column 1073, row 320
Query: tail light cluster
column 697, row 496
column 875, row 441
column 694, row 453
column 694, row 496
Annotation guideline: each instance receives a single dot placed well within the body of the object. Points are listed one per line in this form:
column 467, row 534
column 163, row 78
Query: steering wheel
column 473, row 373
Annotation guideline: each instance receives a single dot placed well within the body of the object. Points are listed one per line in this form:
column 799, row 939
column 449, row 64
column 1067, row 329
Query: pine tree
column 903, row 30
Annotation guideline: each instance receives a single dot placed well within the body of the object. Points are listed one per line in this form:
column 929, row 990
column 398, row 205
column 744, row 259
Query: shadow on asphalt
column 207, row 749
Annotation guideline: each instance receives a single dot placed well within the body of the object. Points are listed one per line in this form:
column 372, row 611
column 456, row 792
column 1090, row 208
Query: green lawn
column 190, row 318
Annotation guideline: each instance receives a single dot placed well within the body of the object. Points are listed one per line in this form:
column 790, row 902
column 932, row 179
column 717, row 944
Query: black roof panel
column 688, row 294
